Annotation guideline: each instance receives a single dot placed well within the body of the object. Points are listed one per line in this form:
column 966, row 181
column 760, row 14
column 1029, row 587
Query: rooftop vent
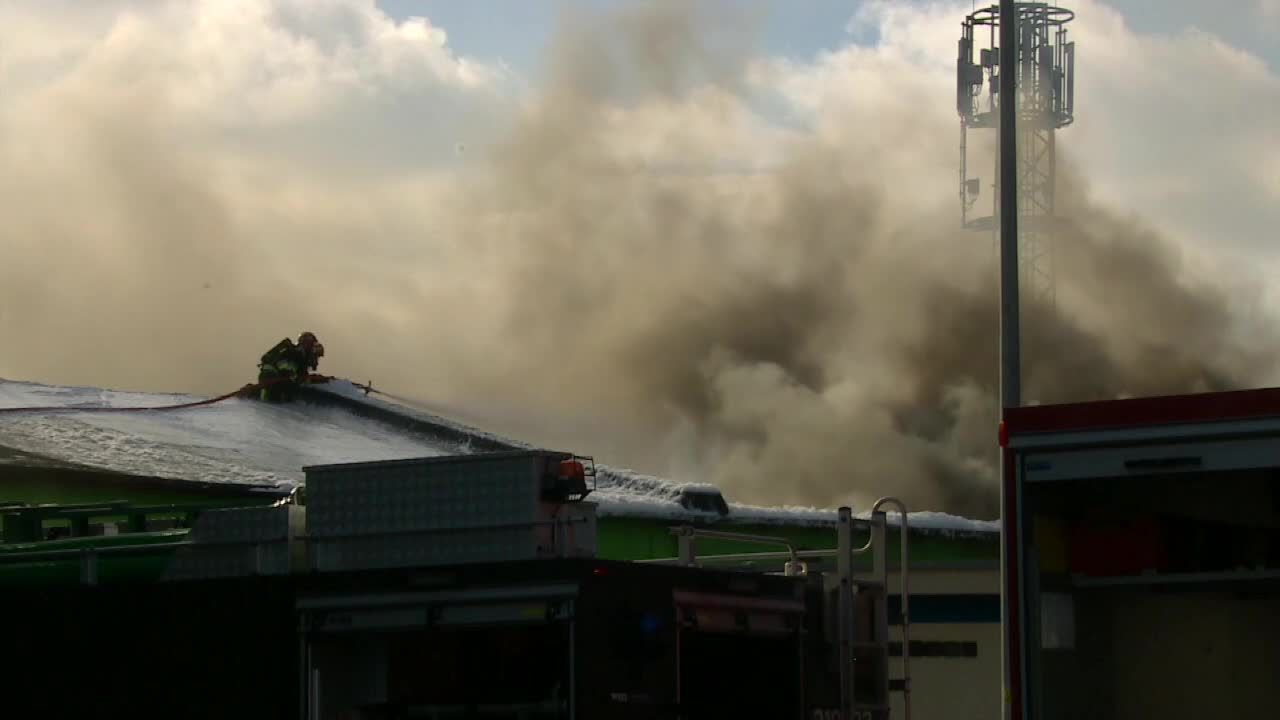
column 705, row 499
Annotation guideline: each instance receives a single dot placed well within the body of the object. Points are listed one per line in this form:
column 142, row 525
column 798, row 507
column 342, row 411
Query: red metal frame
column 1097, row 416
column 1166, row 410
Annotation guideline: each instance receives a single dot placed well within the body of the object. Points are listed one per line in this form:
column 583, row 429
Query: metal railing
column 904, row 570
column 89, row 556
column 686, row 534
column 688, row 557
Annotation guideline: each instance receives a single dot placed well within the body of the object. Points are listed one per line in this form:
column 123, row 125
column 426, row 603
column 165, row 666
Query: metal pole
column 845, row 618
column 88, row 567
column 879, row 633
column 844, row 543
column 686, row 551
column 1010, row 356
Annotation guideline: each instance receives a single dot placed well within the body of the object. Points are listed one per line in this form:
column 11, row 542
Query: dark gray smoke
column 619, row 276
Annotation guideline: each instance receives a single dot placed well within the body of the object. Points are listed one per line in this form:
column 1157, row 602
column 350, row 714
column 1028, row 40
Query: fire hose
column 245, row 391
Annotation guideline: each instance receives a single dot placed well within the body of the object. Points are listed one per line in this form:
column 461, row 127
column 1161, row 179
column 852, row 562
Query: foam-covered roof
column 246, row 441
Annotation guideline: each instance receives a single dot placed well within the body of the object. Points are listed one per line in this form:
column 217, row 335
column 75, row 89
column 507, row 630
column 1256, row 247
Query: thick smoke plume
column 640, row 266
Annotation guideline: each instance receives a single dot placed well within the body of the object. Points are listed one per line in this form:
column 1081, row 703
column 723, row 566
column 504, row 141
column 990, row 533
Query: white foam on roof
column 621, row 492
column 351, row 391
column 629, row 493
column 232, row 441
column 248, row 441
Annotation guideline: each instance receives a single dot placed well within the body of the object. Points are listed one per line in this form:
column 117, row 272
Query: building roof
column 232, row 441
column 245, row 441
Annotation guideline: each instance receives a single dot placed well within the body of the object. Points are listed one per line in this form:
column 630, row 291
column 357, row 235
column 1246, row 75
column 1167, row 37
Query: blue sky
column 516, row 31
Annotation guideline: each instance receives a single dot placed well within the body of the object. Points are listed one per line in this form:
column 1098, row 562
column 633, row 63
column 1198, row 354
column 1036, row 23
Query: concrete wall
column 955, row 688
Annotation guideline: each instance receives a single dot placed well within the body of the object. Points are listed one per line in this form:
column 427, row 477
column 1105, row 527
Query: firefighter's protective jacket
column 287, row 359
column 282, row 368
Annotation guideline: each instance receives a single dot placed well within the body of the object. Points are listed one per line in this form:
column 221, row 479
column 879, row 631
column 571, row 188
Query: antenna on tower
column 1045, row 80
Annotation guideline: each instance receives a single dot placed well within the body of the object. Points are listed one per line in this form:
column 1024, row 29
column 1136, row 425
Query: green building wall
column 619, row 537
column 639, row 538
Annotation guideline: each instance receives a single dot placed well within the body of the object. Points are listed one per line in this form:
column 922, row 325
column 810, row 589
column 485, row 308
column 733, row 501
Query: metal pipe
column 906, row 615
column 844, row 544
column 1010, row 341
column 88, row 567
column 687, row 533
column 760, row 556
column 1010, row 345
column 686, row 549
column 844, row 622
column 744, row 537
column 752, row 557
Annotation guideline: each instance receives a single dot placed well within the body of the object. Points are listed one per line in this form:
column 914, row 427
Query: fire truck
column 441, row 587
column 1141, row 557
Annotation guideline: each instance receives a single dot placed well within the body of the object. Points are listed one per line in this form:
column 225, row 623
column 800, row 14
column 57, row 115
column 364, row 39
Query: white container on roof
column 486, row 507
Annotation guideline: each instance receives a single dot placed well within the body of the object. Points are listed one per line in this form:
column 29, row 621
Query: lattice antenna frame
column 1046, row 103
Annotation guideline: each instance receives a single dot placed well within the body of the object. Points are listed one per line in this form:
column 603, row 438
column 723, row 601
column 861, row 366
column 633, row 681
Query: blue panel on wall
column 947, row 609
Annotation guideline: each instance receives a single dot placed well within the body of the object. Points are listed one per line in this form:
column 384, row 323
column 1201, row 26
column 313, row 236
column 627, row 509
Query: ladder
column 863, row 621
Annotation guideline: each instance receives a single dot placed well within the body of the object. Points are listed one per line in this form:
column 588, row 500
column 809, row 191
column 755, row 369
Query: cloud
column 332, row 80
column 192, row 170
column 1177, row 127
column 669, row 251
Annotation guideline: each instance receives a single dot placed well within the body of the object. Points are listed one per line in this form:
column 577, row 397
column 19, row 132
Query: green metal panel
column 96, row 541
column 624, row 538
column 619, row 537
column 50, row 483
column 111, row 570
column 65, row 486
column 143, row 567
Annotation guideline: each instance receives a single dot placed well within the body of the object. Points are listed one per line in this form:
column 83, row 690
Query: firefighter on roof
column 286, row 366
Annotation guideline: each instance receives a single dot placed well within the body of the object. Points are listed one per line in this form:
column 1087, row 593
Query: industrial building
column 87, row 480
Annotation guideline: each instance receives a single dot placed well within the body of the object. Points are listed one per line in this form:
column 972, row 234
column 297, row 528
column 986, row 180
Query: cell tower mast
column 1045, row 78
